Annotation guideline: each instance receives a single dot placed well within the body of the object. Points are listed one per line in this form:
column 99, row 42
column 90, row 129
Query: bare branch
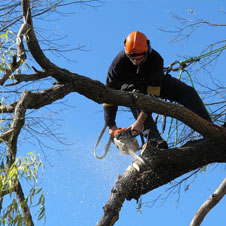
column 23, row 205
column 209, row 204
column 27, row 78
column 18, row 122
column 187, row 26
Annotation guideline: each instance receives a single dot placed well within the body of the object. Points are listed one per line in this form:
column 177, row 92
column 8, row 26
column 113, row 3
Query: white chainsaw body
column 127, row 145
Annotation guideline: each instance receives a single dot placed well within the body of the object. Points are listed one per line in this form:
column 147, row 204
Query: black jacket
column 123, row 73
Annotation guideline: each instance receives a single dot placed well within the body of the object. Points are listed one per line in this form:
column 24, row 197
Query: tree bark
column 24, row 207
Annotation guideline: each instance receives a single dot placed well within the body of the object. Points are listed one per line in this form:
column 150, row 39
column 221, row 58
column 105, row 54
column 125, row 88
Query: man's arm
column 138, row 124
column 109, row 117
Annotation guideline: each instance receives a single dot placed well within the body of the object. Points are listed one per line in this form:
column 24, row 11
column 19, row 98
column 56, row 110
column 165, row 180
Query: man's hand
column 137, row 126
column 111, row 130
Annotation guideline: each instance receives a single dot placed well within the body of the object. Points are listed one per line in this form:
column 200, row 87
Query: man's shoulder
column 154, row 52
column 121, row 55
column 154, row 55
column 120, row 59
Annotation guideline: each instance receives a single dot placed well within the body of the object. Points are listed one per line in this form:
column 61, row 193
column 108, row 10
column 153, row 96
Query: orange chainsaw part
column 117, row 131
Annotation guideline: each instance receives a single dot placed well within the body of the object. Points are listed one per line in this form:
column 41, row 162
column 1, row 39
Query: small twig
column 27, row 78
column 21, row 53
column 25, row 27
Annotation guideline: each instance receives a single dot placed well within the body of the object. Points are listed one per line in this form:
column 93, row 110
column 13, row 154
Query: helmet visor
column 136, row 55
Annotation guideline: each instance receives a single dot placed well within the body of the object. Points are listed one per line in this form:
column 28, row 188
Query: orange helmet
column 136, row 43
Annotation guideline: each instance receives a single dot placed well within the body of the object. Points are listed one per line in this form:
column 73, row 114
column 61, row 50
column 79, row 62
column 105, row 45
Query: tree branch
column 101, row 94
column 18, row 122
column 27, row 78
column 209, row 204
column 23, row 205
column 36, row 50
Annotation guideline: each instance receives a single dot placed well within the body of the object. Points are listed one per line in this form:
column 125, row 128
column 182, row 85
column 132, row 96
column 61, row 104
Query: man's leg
column 150, row 131
column 175, row 90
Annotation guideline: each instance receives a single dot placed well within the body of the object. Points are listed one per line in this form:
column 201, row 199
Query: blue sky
column 76, row 184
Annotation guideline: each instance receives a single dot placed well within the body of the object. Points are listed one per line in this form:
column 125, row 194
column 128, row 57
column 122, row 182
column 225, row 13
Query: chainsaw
column 124, row 140
column 127, row 143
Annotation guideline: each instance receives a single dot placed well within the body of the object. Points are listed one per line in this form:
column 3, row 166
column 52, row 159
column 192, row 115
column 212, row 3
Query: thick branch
column 32, row 42
column 12, row 136
column 167, row 165
column 152, row 104
column 118, row 194
column 162, row 166
column 97, row 92
column 36, row 51
column 18, row 122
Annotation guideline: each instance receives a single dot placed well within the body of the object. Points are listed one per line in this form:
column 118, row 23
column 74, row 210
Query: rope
column 107, row 146
column 207, row 54
column 181, row 67
column 189, row 61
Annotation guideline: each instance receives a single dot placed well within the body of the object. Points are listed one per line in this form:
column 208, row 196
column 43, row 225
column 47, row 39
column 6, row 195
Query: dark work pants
column 174, row 90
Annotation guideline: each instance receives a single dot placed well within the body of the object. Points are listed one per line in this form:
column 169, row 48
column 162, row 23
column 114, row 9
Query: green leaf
column 38, row 191
column 41, row 213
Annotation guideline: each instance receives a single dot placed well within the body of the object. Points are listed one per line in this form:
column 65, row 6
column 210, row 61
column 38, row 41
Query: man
column 139, row 67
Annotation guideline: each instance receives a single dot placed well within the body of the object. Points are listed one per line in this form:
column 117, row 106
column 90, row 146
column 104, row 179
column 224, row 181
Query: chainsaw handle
column 134, row 135
column 121, row 131
column 118, row 131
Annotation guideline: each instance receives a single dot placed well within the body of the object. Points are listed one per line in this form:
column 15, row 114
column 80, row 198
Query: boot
column 158, row 143
column 153, row 136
